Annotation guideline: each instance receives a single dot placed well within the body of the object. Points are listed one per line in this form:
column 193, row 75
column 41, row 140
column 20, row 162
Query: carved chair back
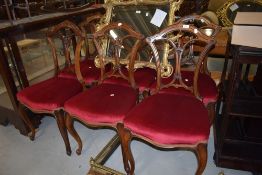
column 122, row 43
column 66, row 32
column 88, row 26
column 205, row 26
column 202, row 23
column 181, row 38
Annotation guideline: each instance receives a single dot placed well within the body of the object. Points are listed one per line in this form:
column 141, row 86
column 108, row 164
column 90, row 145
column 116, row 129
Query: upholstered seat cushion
column 88, row 69
column 102, row 104
column 50, row 94
column 144, row 78
column 169, row 119
column 206, row 86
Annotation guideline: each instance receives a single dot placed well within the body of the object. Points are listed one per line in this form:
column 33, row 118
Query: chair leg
column 72, row 131
column 27, row 121
column 125, row 140
column 63, row 131
column 211, row 112
column 201, row 154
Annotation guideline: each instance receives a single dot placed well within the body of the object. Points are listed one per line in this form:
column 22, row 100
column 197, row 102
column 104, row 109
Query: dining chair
column 48, row 96
column 107, row 103
column 166, row 119
column 89, row 26
column 206, row 85
column 87, row 66
column 144, row 76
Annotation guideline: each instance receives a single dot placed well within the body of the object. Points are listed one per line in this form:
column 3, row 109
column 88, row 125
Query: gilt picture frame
column 172, row 5
column 228, row 11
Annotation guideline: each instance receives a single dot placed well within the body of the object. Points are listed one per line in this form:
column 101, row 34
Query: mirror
column 139, row 17
column 139, row 14
column 228, row 11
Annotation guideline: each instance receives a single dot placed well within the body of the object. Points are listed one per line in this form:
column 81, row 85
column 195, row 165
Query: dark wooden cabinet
column 238, row 128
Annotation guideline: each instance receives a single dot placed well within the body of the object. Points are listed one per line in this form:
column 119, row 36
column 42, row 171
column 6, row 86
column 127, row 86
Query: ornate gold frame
column 222, row 11
column 174, row 6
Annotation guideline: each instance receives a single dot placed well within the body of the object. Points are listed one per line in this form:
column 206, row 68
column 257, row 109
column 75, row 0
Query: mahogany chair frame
column 115, row 72
column 67, row 40
column 58, row 114
column 126, row 135
column 90, row 23
column 211, row 106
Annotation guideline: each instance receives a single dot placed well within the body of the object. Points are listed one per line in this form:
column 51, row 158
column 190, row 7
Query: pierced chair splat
column 48, row 96
column 205, row 85
column 206, row 27
column 88, row 26
column 89, row 71
column 143, row 75
column 163, row 119
column 107, row 103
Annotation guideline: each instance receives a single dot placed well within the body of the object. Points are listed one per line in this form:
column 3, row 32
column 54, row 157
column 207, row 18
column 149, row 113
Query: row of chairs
column 176, row 112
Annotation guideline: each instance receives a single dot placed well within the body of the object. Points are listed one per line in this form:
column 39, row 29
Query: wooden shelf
column 247, row 107
column 237, row 152
column 238, row 130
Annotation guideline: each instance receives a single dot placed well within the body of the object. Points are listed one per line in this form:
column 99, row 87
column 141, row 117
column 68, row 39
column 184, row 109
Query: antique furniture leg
column 26, row 119
column 4, row 118
column 201, row 154
column 62, row 128
column 11, row 90
column 125, row 139
column 72, row 131
column 211, row 111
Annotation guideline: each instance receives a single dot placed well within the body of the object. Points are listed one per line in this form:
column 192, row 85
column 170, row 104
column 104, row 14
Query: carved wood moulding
column 111, row 5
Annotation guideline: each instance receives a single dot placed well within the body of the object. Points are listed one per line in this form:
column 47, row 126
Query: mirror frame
column 110, row 4
column 222, row 11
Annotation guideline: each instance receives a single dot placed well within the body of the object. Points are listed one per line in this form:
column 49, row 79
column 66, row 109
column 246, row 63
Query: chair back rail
column 66, row 31
column 200, row 22
column 88, row 26
column 115, row 45
column 204, row 25
column 181, row 38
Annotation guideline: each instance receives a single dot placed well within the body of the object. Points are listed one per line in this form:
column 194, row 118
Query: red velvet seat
column 164, row 118
column 49, row 96
column 105, row 104
column 144, row 78
column 175, row 115
column 206, row 86
column 115, row 95
column 89, row 71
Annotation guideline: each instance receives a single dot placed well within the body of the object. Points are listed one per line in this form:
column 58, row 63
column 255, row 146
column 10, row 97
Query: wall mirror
column 228, row 11
column 138, row 14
